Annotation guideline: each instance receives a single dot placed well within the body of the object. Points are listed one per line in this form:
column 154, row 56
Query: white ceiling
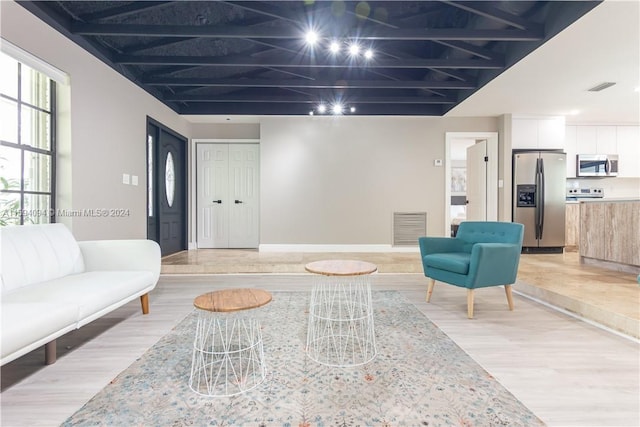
column 602, row 46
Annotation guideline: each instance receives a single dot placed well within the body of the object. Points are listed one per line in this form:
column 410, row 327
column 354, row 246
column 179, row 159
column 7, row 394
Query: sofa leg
column 144, row 301
column 470, row 303
column 507, row 290
column 50, row 353
column 432, row 283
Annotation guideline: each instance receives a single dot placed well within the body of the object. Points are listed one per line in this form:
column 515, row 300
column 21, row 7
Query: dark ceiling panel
column 250, row 57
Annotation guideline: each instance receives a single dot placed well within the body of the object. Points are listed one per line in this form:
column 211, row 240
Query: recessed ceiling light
column 368, row 54
column 311, row 113
column 311, row 37
column 352, row 109
column 337, row 109
column 322, row 108
column 334, row 47
column 354, row 49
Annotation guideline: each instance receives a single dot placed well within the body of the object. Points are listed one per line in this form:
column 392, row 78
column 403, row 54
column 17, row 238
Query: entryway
column 228, row 195
column 166, row 188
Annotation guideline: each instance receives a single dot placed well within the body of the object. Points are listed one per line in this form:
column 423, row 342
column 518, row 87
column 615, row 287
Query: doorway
column 471, row 178
column 166, row 188
column 228, row 195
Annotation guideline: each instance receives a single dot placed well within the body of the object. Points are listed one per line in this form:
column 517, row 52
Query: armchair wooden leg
column 432, row 283
column 144, row 301
column 507, row 290
column 470, row 303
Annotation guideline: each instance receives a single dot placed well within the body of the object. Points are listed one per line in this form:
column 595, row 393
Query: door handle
column 238, row 201
column 217, row 201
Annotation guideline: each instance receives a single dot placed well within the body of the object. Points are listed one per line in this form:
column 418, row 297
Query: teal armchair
column 482, row 254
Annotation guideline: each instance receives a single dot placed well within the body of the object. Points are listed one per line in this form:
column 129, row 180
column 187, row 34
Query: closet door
column 228, row 195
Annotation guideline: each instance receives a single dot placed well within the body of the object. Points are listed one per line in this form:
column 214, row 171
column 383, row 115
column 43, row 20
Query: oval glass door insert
column 170, row 179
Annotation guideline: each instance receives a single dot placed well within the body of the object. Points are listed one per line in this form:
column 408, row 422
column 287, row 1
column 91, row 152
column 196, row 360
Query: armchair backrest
column 490, row 232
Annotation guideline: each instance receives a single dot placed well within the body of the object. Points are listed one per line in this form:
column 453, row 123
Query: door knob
column 238, row 201
column 217, row 201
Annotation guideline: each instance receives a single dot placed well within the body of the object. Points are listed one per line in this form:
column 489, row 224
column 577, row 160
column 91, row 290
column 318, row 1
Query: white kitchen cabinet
column 592, row 139
column 606, row 140
column 586, row 139
column 628, row 146
column 538, row 133
column 571, row 150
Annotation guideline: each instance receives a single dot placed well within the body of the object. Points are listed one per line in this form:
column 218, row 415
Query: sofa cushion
column 37, row 253
column 457, row 262
column 92, row 291
column 35, row 323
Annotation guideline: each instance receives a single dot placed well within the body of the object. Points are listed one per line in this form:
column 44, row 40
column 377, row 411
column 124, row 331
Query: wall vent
column 601, row 86
column 407, row 227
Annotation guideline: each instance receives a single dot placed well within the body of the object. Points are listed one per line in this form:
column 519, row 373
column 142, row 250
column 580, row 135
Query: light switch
column 125, row 178
column 134, row 179
column 437, row 162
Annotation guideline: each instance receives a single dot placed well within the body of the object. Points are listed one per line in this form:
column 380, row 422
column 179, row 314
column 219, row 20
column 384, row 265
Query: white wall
column 107, row 132
column 338, row 180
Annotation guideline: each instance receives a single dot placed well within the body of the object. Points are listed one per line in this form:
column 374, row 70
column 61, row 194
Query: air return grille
column 407, row 227
column 601, row 86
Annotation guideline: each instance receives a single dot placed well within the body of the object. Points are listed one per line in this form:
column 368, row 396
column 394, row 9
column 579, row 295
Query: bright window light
column 334, row 47
column 354, row 49
column 337, row 109
column 311, row 37
column 322, row 108
column 368, row 54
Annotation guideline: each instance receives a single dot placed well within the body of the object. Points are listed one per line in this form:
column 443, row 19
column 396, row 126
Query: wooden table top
column 341, row 267
column 227, row 300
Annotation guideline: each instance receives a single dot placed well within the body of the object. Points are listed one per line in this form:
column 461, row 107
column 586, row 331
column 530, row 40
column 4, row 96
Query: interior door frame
column 193, row 180
column 492, row 171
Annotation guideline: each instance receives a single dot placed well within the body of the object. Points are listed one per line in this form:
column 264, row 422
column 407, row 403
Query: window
column 27, row 144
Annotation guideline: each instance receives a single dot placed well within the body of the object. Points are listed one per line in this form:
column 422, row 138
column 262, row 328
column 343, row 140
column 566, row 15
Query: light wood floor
column 567, row 371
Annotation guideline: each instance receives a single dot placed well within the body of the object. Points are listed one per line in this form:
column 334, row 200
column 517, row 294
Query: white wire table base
column 228, row 356
column 341, row 331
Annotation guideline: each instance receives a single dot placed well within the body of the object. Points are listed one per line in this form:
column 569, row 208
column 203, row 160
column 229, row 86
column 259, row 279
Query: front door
column 228, row 195
column 167, row 192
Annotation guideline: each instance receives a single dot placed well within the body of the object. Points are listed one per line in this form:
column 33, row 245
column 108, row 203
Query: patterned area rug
column 419, row 377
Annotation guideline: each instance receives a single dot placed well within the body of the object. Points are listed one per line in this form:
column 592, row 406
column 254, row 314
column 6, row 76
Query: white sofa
column 52, row 284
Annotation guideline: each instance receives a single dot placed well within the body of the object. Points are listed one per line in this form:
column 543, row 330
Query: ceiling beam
column 126, row 10
column 471, row 49
column 222, row 32
column 311, row 100
column 294, row 62
column 486, row 10
column 299, row 83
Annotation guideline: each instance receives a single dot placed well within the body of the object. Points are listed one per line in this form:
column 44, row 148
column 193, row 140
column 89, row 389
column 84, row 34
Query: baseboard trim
column 335, row 248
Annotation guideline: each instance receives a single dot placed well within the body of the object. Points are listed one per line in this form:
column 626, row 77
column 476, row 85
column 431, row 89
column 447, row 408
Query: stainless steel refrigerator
column 539, row 197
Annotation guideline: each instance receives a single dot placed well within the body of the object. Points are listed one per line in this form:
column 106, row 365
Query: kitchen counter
column 601, row 200
column 610, row 234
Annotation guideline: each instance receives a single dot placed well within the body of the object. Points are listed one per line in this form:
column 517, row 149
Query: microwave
column 597, row 165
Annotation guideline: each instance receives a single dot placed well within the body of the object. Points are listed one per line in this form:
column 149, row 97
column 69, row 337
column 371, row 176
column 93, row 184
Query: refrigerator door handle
column 542, row 185
column 537, row 196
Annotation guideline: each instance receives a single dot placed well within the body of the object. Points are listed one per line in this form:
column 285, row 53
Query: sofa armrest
column 128, row 255
column 433, row 245
column 493, row 264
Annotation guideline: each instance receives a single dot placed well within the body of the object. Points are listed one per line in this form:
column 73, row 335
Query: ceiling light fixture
column 334, row 47
column 368, row 54
column 337, row 109
column 354, row 49
column 352, row 109
column 311, row 37
column 322, row 108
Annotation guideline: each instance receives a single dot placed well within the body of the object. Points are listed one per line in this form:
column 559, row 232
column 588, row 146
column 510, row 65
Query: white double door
column 228, row 195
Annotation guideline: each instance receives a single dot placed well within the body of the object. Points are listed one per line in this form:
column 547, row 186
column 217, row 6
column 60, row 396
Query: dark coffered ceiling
column 252, row 58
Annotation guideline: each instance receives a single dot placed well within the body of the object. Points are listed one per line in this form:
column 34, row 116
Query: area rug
column 419, row 377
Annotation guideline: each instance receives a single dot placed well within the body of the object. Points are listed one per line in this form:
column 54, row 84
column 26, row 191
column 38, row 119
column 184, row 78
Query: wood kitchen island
column 610, row 234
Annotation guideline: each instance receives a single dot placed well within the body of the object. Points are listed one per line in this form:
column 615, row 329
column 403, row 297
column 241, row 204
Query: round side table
column 341, row 330
column 228, row 357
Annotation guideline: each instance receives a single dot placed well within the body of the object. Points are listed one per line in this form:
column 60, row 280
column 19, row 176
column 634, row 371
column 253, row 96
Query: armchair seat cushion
column 456, row 262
